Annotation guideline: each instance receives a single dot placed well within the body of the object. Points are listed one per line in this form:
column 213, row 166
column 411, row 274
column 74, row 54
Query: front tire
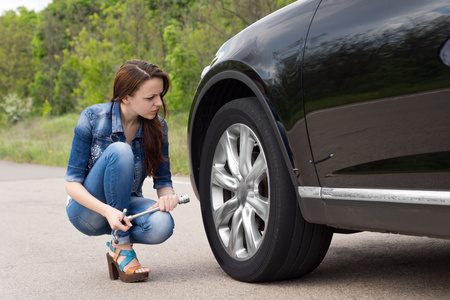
column 249, row 207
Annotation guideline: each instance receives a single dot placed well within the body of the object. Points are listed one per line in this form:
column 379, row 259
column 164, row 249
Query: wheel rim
column 240, row 192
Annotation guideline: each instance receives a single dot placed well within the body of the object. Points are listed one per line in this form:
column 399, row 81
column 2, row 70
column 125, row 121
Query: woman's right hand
column 114, row 217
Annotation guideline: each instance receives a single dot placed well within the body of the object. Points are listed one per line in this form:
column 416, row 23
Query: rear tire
column 249, row 207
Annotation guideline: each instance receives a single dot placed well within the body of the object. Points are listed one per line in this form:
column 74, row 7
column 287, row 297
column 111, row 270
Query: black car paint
column 377, row 94
column 359, row 105
column 270, row 50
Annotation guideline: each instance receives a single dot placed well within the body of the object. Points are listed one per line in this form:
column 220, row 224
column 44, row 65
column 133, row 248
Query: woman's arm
column 162, row 182
column 114, row 216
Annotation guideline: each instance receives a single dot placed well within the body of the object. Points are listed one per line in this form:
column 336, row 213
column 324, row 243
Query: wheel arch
column 217, row 91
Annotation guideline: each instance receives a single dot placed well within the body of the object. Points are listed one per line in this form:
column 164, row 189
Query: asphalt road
column 44, row 257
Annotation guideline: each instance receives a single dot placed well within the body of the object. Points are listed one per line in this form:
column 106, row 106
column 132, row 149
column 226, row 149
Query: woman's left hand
column 167, row 202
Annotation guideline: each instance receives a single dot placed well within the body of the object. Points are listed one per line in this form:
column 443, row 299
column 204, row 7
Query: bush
column 14, row 108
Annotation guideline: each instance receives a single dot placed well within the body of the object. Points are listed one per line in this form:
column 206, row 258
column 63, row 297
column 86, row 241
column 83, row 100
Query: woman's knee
column 120, row 150
column 156, row 229
column 120, row 158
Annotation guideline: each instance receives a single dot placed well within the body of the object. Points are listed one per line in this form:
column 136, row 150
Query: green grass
column 48, row 141
column 178, row 142
column 45, row 142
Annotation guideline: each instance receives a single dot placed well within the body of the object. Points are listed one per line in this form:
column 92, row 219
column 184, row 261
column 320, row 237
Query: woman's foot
column 132, row 263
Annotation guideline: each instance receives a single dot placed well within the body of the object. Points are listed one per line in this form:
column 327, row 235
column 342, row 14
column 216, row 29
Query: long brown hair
column 129, row 78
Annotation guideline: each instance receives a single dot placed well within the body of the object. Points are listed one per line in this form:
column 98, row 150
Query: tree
column 57, row 24
column 16, row 60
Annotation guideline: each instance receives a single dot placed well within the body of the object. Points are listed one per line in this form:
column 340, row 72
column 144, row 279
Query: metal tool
column 182, row 200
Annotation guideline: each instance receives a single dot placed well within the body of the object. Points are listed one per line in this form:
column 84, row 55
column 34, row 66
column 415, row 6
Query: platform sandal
column 116, row 270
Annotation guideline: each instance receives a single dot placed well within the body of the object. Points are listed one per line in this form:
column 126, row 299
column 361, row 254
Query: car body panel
column 382, row 106
column 358, row 93
column 262, row 52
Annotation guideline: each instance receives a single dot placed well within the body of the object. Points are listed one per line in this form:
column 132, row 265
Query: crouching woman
column 115, row 147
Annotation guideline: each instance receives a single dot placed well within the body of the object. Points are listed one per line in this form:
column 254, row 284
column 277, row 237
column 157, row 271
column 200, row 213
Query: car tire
column 250, row 211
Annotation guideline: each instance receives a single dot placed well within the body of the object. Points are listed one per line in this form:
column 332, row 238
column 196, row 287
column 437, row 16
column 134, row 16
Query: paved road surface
column 44, row 257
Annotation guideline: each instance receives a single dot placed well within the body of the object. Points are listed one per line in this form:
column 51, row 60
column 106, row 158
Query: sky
column 36, row 5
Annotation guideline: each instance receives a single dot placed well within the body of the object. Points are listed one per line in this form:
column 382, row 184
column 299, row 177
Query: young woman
column 115, row 146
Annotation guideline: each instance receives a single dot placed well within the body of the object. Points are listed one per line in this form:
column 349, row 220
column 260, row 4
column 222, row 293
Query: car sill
column 376, row 195
column 412, row 212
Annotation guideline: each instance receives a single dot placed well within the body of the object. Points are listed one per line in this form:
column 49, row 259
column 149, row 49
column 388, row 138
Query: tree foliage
column 65, row 57
column 16, row 57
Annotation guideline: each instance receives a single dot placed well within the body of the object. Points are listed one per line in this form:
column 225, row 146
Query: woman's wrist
column 104, row 208
column 169, row 193
column 172, row 192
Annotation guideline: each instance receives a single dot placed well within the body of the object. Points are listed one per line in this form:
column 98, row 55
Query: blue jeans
column 111, row 181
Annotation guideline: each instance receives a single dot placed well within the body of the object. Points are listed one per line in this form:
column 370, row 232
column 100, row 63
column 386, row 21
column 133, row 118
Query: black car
column 324, row 117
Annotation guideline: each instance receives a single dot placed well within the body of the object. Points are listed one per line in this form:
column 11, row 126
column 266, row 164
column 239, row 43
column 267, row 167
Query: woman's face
column 146, row 101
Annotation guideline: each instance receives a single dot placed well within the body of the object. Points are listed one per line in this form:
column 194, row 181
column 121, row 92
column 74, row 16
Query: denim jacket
column 98, row 127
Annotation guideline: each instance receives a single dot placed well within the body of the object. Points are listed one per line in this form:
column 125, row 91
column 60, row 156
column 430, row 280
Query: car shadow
column 383, row 266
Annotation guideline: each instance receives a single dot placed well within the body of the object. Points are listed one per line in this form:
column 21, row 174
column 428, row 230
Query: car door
column 377, row 94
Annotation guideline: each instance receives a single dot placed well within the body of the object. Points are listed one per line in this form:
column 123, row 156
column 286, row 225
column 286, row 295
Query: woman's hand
column 115, row 218
column 167, row 201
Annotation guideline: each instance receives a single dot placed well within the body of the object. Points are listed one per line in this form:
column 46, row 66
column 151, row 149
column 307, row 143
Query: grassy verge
column 48, row 142
column 178, row 142
column 45, row 142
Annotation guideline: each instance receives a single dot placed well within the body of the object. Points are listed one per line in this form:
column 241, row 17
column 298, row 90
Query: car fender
column 215, row 81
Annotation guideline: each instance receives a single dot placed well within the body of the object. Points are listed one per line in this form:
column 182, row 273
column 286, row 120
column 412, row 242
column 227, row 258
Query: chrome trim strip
column 376, row 195
column 309, row 191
